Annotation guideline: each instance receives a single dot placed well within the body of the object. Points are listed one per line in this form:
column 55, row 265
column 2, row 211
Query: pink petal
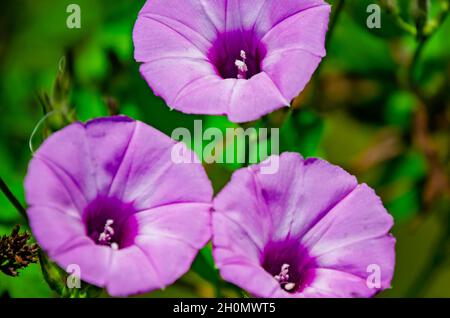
column 71, row 178
column 182, row 73
column 305, row 30
column 82, row 255
column 209, row 95
column 272, row 13
column 108, row 141
column 171, row 258
column 131, row 272
column 360, row 216
column 253, row 279
column 336, row 284
column 157, row 180
column 231, row 240
column 302, row 192
column 171, row 235
column 56, row 230
column 158, row 37
column 45, row 186
column 203, row 16
column 250, row 216
column 186, row 222
column 64, row 156
column 291, row 70
column 254, row 98
column 358, row 259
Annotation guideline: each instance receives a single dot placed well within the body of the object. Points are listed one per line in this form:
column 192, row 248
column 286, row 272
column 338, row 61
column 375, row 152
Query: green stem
column 437, row 259
column 405, row 26
column 421, row 284
column 412, row 67
column 421, row 16
column 339, row 5
column 10, row 196
column 334, row 18
column 435, row 24
column 392, row 9
column 332, row 26
column 425, row 35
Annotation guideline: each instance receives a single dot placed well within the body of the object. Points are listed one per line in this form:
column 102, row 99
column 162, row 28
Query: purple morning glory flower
column 307, row 231
column 106, row 196
column 241, row 58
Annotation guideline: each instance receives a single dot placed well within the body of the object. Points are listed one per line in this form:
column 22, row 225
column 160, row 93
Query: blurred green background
column 371, row 108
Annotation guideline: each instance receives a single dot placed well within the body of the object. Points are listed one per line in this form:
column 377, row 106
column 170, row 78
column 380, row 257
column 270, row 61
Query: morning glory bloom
column 307, row 231
column 240, row 58
column 105, row 196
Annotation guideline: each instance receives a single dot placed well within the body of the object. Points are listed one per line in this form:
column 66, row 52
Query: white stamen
column 243, row 55
column 242, row 66
column 106, row 236
column 283, row 278
column 102, row 237
column 289, row 286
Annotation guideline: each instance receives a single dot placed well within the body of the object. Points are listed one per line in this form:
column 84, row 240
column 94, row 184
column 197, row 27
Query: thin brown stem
column 334, row 18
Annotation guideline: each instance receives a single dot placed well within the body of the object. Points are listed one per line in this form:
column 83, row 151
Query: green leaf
column 356, row 49
column 29, row 283
column 302, row 133
column 400, row 108
column 204, row 266
column 89, row 105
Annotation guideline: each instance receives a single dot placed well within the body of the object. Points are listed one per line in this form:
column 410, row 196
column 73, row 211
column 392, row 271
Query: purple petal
column 151, row 182
column 171, row 236
column 171, row 258
column 85, row 169
column 131, row 272
column 85, row 176
column 295, row 48
column 356, row 225
column 290, row 70
column 189, row 50
column 302, row 192
column 304, row 30
column 93, row 260
column 203, row 17
column 61, row 162
column 232, row 241
column 108, row 142
column 60, row 230
column 193, row 83
column 251, row 215
column 356, row 260
column 253, row 278
column 309, row 215
column 188, row 223
column 357, row 217
column 254, row 98
column 336, row 284
column 272, row 13
column 46, row 187
column 158, row 37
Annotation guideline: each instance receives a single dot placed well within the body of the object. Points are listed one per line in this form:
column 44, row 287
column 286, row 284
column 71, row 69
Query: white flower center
column 106, row 236
column 283, row 278
column 242, row 66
